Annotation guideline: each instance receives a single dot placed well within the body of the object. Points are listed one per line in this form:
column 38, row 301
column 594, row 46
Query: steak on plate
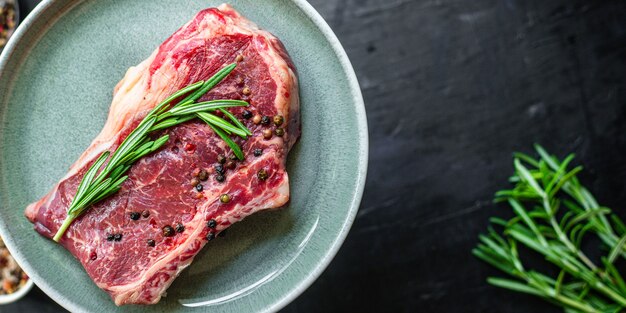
column 140, row 263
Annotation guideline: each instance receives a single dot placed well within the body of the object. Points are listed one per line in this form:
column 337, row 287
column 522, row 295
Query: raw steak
column 160, row 187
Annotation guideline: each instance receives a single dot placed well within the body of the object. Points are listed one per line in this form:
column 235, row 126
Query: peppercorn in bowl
column 15, row 283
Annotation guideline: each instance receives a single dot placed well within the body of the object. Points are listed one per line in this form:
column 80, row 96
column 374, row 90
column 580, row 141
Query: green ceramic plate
column 57, row 76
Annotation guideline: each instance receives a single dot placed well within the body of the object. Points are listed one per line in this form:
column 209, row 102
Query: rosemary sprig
column 554, row 213
column 98, row 184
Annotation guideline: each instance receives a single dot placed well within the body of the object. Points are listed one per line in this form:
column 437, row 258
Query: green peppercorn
column 262, row 174
column 225, row 198
column 278, row 120
column 279, row 132
column 203, row 175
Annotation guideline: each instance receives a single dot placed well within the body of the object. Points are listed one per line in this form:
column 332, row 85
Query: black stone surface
column 451, row 89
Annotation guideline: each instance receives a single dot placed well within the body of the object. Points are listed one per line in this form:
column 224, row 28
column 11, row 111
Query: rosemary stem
column 66, row 223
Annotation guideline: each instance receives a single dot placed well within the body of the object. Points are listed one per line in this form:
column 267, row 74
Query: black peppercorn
column 199, row 187
column 150, row 242
column 203, row 175
column 210, row 236
column 219, row 168
column 211, row 223
column 220, row 178
column 110, row 237
column 265, row 120
column 262, row 174
column 118, row 237
column 180, row 228
column 145, row 213
column 168, row 231
column 134, row 216
column 246, row 114
column 258, row 152
column 221, row 159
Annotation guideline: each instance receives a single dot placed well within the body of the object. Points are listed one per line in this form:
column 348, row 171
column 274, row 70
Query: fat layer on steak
column 160, row 185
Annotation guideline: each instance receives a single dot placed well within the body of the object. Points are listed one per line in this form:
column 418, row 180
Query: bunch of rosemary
column 96, row 186
column 554, row 213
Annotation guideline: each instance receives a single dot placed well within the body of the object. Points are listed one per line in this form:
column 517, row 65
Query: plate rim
column 362, row 128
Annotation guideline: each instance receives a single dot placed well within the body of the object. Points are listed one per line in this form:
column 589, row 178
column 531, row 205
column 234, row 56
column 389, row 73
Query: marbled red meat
column 131, row 270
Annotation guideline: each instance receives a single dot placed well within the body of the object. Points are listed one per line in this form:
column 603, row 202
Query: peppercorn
column 246, row 114
column 168, row 231
column 150, row 242
column 118, row 237
column 239, row 58
column 219, row 168
column 199, row 187
column 194, row 182
column 246, row 91
column 267, row 133
column 225, row 198
column 278, row 120
column 211, row 223
column 134, row 216
column 256, row 119
column 265, row 120
column 180, row 228
column 221, row 158
column 230, row 165
column 262, row 174
column 110, row 237
column 210, row 236
column 279, row 132
column 203, row 175
column 220, row 178
column 145, row 213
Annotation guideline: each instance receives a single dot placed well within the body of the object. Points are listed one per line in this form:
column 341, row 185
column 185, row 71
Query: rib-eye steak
column 136, row 242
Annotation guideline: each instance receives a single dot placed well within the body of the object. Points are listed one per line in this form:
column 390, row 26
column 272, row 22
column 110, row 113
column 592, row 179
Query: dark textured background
column 451, row 89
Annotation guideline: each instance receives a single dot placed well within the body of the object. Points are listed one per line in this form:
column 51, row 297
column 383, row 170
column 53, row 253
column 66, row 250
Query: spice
column 230, row 165
column 221, row 158
column 267, row 134
column 134, row 216
column 194, row 182
column 211, row 223
column 246, row 90
column 12, row 276
column 246, row 114
column 258, row 152
column 279, row 132
column 210, row 236
column 110, row 237
column 220, row 178
column 180, row 228
column 225, row 198
column 219, row 168
column 118, row 237
column 256, row 119
column 265, row 120
column 203, row 175
column 239, row 58
column 150, row 242
column 168, row 231
column 199, row 187
column 262, row 174
column 145, row 213
column 278, row 120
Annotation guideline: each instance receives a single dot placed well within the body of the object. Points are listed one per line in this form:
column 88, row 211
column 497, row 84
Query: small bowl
column 16, row 8
column 21, row 292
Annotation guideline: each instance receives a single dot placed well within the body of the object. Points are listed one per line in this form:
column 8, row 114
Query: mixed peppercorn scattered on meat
column 13, row 278
column 7, row 21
